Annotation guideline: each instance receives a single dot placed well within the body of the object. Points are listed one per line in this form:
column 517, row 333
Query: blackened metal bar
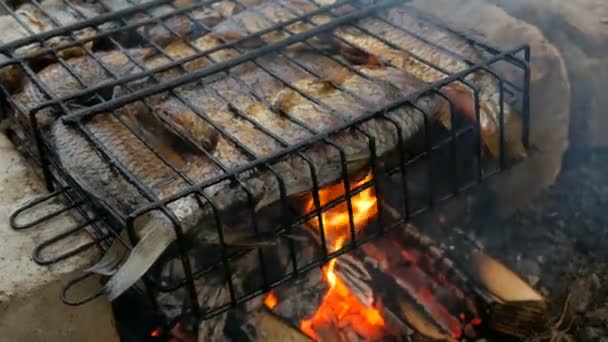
column 376, row 187
column 66, row 289
column 98, row 20
column 526, row 99
column 405, row 99
column 184, row 60
column 501, row 124
column 227, row 64
column 453, row 145
column 402, row 166
column 224, row 255
column 15, row 215
column 40, row 247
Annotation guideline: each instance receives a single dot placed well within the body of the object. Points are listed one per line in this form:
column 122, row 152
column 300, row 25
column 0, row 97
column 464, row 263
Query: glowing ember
column 339, row 306
column 156, row 332
column 271, row 300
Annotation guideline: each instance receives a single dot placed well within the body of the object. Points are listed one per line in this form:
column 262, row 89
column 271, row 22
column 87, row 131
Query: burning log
column 261, row 325
column 382, row 278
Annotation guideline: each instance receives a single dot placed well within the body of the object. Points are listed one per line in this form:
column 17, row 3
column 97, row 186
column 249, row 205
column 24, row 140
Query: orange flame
column 271, row 300
column 340, row 306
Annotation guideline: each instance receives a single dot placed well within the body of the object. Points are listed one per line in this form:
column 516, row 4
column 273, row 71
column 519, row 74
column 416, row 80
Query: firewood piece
column 408, row 292
column 522, row 318
column 421, row 324
column 500, row 280
column 262, row 325
column 300, row 298
column 520, row 310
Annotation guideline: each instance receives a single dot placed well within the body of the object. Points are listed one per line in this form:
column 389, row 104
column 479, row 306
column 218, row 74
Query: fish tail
column 156, row 238
column 111, row 259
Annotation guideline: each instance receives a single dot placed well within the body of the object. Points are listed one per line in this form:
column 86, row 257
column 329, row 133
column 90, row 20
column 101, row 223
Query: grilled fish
column 59, row 82
column 31, row 19
column 237, row 27
column 192, row 23
column 405, row 53
column 242, row 141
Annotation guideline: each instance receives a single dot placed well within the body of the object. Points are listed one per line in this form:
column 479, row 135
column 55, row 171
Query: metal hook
column 15, row 215
column 37, row 254
column 71, row 283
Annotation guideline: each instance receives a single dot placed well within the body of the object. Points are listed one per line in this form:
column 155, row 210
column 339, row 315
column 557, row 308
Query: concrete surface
column 30, row 307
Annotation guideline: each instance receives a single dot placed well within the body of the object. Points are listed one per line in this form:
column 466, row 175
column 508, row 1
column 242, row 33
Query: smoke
column 578, row 29
column 549, row 94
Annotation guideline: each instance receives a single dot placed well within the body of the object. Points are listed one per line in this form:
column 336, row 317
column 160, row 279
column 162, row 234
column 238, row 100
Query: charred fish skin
column 60, row 82
column 462, row 95
column 96, row 176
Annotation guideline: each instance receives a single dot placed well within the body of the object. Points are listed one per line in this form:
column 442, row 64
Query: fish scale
column 60, row 82
column 98, row 177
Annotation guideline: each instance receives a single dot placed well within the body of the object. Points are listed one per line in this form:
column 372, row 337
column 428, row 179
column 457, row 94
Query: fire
column 339, row 305
column 271, row 300
column 336, row 220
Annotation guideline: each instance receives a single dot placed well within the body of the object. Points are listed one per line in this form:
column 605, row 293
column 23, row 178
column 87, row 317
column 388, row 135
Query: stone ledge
column 30, row 307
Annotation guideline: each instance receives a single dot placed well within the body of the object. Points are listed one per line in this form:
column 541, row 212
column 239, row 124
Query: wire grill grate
column 140, row 30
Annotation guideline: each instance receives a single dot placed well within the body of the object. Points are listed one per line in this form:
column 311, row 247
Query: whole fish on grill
column 147, row 157
column 388, row 24
column 237, row 27
column 179, row 19
column 191, row 23
column 294, row 119
column 59, row 82
column 30, row 19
